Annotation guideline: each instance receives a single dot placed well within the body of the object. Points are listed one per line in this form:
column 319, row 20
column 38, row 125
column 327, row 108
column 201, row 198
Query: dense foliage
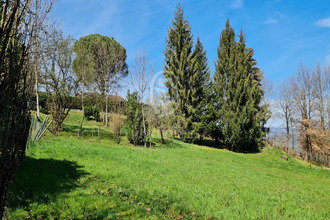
column 239, row 94
column 134, row 121
column 187, row 77
column 229, row 108
column 91, row 112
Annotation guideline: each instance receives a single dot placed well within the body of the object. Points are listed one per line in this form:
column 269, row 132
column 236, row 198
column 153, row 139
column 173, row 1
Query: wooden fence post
column 98, row 133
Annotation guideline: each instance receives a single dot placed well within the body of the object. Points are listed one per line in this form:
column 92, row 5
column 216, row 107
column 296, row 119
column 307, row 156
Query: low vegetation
column 66, row 178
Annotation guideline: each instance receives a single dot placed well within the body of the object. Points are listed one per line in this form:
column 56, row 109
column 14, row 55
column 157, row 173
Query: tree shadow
column 87, row 132
column 219, row 145
column 212, row 144
column 41, row 180
column 169, row 143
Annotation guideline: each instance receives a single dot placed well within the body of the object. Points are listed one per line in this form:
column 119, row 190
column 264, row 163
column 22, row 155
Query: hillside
column 66, row 178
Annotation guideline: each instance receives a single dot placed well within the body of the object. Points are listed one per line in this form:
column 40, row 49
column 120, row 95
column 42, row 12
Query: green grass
column 65, row 178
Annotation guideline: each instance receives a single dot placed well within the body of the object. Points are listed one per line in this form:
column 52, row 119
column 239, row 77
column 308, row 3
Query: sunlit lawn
column 65, row 178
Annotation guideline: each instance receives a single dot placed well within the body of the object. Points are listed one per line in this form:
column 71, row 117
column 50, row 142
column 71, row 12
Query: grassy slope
column 69, row 178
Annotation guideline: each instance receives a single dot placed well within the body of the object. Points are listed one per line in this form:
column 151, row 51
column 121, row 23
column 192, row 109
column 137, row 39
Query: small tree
column 159, row 113
column 134, row 122
column 60, row 82
column 140, row 77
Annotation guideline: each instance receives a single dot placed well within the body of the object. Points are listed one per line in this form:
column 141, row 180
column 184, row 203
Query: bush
column 134, row 121
column 91, row 112
column 116, row 124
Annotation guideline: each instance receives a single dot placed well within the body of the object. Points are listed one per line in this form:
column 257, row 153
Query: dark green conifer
column 239, row 93
column 187, row 77
column 178, row 58
column 200, row 86
column 134, row 120
column 224, row 67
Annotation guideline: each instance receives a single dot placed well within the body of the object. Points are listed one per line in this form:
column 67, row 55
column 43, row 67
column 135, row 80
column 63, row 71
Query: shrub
column 91, row 112
column 134, row 121
column 116, row 124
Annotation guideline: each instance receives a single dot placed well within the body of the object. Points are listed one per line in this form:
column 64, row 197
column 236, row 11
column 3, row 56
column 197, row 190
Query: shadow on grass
column 219, row 145
column 212, row 143
column 41, row 180
column 169, row 143
column 87, row 132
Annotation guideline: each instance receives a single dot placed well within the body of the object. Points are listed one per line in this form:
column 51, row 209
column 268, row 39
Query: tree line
column 303, row 103
column 227, row 107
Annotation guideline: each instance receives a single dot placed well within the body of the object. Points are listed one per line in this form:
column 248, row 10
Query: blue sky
column 282, row 33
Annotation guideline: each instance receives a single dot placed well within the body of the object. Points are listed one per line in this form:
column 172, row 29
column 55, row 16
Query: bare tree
column 327, row 96
column 60, row 82
column 140, row 78
column 286, row 109
column 268, row 88
column 38, row 22
column 321, row 89
column 310, row 89
column 304, row 102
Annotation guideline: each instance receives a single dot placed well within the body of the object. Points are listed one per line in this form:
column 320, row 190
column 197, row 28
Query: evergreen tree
column 178, row 57
column 134, row 121
column 187, row 76
column 200, row 86
column 223, row 72
column 211, row 116
column 238, row 83
column 250, row 115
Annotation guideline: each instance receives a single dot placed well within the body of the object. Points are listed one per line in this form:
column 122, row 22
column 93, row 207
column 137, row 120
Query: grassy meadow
column 66, row 178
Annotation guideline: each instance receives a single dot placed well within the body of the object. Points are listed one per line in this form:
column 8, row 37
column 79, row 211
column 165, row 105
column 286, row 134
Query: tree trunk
column 82, row 97
column 37, row 95
column 144, row 127
column 292, row 133
column 287, row 123
column 106, row 110
column 161, row 134
column 98, row 134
